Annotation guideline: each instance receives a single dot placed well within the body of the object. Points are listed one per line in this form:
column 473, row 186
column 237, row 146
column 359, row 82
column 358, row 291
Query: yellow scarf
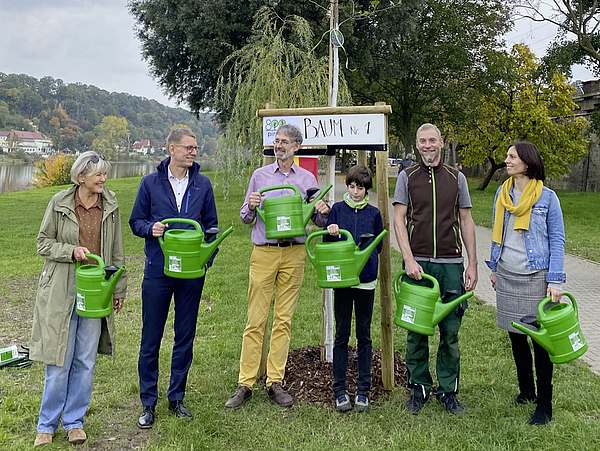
column 531, row 194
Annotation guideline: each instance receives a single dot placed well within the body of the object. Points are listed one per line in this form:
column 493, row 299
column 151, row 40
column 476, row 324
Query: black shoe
column 179, row 409
column 146, row 418
column 239, row 398
column 541, row 416
column 279, row 396
column 452, row 404
column 416, row 402
column 525, row 398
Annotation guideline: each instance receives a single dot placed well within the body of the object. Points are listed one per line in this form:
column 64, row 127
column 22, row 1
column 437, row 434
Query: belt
column 281, row 244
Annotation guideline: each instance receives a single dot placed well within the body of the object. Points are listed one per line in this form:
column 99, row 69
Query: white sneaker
column 361, row 403
column 342, row 403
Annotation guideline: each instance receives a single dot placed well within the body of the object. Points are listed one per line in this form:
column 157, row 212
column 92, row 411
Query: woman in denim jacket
column 528, row 242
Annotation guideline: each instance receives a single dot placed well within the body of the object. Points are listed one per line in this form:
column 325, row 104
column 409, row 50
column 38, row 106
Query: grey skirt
column 518, row 295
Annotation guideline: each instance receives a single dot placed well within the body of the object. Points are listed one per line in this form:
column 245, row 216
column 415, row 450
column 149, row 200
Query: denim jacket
column 545, row 239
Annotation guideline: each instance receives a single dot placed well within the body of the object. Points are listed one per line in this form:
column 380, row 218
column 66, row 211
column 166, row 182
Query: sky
column 93, row 42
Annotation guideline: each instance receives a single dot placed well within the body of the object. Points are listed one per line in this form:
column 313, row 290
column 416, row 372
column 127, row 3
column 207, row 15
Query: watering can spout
column 540, row 336
column 442, row 309
column 308, row 208
column 212, row 246
column 363, row 255
column 108, row 286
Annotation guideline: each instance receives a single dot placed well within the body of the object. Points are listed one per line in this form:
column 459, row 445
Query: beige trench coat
column 58, row 237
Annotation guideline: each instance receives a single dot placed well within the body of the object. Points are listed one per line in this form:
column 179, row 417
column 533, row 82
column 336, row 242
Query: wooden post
column 361, row 157
column 262, row 369
column 385, row 270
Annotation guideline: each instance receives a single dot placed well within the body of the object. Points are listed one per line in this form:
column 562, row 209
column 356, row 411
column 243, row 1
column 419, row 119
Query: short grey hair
column 88, row 163
column 428, row 126
column 177, row 135
column 292, row 131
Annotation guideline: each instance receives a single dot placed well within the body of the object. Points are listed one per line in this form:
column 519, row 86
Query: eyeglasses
column 190, row 149
column 283, row 142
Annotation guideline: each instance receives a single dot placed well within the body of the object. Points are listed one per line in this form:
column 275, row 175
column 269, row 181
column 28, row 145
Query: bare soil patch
column 310, row 379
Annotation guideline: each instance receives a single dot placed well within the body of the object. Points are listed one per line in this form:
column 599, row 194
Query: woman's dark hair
column 361, row 175
column 530, row 155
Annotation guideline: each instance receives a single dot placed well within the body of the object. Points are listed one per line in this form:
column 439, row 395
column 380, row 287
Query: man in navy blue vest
column 432, row 211
column 176, row 190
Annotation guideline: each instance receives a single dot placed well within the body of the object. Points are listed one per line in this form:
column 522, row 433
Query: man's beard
column 430, row 158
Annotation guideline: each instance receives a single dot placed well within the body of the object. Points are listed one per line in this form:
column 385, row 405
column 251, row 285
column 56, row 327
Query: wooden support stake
column 385, row 271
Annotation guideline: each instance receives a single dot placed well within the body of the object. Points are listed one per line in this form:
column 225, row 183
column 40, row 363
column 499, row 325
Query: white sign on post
column 324, row 130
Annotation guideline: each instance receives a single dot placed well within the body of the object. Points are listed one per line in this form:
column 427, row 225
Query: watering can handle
column 433, row 280
column 549, row 298
column 94, row 257
column 324, row 232
column 272, row 188
column 183, row 221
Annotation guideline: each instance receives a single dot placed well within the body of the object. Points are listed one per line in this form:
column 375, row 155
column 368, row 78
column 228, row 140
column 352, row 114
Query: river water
column 17, row 177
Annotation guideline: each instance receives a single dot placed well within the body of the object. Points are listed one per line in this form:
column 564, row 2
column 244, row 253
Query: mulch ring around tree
column 310, row 379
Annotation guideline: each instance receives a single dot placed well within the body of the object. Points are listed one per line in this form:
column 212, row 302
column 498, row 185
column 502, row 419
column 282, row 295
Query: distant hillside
column 68, row 112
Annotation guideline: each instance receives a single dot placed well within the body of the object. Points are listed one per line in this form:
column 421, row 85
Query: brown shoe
column 239, row 398
column 43, row 438
column 76, row 436
column 279, row 396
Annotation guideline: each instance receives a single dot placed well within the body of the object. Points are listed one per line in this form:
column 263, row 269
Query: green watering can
column 186, row 252
column 95, row 285
column 559, row 332
column 287, row 216
column 420, row 308
column 339, row 263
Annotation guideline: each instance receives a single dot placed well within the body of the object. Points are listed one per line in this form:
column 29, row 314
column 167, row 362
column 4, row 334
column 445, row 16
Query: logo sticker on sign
column 283, row 223
column 174, row 263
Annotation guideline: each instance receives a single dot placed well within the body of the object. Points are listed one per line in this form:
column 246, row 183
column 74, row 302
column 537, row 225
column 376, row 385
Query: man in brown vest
column 432, row 211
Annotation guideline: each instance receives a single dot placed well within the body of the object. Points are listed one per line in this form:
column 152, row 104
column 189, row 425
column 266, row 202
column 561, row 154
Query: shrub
column 54, row 171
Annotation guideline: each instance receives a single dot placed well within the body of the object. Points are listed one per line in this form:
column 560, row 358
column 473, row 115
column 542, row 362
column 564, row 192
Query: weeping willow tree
column 277, row 65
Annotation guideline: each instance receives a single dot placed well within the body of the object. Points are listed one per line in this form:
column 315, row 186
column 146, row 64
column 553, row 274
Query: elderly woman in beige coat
column 82, row 219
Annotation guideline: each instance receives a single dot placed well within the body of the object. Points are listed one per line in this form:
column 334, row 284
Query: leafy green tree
column 111, row 137
column 185, row 42
column 420, row 56
column 578, row 19
column 516, row 106
column 278, row 65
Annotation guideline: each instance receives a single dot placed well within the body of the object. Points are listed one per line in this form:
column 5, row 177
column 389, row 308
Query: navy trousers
column 156, row 299
column 362, row 301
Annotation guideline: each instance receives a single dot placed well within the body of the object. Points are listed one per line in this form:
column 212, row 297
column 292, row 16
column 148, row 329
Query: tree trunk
column 486, row 180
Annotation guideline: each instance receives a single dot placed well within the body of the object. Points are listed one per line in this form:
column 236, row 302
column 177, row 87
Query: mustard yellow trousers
column 271, row 267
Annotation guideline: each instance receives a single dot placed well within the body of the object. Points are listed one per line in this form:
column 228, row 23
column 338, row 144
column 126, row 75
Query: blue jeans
column 68, row 388
column 156, row 299
column 362, row 301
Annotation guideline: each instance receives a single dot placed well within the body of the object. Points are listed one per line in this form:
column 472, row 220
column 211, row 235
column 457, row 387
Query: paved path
column 583, row 281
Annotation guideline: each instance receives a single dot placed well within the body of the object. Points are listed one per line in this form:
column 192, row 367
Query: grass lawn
column 488, row 379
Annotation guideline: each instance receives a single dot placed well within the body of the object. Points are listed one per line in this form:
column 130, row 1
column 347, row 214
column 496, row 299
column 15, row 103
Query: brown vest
column 433, row 220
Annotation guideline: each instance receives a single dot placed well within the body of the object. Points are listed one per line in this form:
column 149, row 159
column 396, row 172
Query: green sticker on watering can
column 283, row 223
column 81, row 302
column 408, row 314
column 575, row 340
column 334, row 274
column 174, row 263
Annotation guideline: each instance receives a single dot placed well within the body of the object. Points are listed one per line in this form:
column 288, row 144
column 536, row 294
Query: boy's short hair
column 360, row 175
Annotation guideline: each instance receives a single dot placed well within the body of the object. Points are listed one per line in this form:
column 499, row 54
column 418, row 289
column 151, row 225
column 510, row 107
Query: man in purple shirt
column 274, row 263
